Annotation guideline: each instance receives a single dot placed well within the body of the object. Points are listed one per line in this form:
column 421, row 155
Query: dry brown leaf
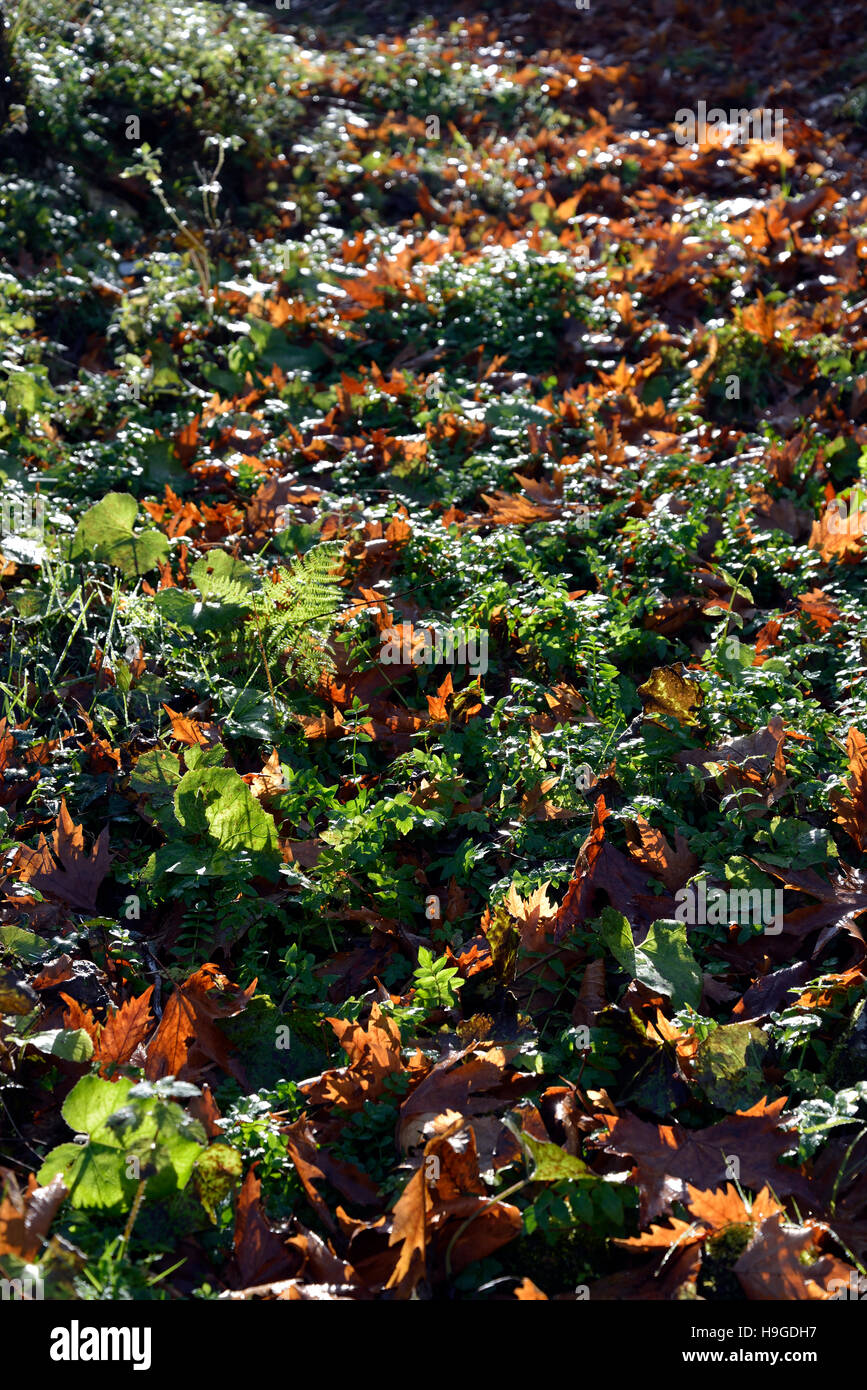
column 66, row 870
column 409, row 1230
column 850, row 812
column 187, row 1038
column 772, row 1267
column 123, row 1030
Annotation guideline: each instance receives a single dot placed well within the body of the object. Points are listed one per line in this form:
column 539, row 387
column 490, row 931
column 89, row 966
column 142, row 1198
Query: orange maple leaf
column 124, row 1029
column 187, row 1038
column 436, row 704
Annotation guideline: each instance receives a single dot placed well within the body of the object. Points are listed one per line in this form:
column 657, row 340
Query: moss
column 557, row 1266
column 717, row 1279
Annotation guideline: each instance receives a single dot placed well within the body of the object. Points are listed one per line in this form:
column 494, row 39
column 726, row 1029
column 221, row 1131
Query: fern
column 292, row 616
column 227, row 591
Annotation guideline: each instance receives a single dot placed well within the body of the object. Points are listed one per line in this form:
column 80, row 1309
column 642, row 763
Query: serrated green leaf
column 216, row 803
column 91, row 1101
column 94, row 1175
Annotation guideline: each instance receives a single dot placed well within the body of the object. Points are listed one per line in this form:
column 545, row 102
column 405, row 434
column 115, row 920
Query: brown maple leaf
column 65, row 870
column 839, row 537
column 77, row 1017
column 839, row 901
column 409, row 1230
column 652, row 849
column 436, row 704
column 314, row 1163
column 726, row 1206
column 677, row 1232
column 602, row 868
column 820, row 609
column 773, row 1265
column 532, row 914
column 468, row 1082
column 448, row 1221
column 260, row 1253
column 25, row 1217
column 375, row 1054
column 850, row 811
column 591, row 995
column 270, row 781
column 668, row 1157
column 190, row 731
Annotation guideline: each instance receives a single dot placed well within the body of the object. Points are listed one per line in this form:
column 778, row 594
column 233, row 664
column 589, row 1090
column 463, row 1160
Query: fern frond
column 293, row 614
column 228, row 590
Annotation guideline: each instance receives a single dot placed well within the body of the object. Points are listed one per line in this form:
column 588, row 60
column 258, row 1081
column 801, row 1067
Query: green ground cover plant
column 534, row 973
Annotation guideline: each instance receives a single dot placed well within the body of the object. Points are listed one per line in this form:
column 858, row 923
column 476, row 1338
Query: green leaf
column 552, row 1164
column 617, row 935
column 211, row 572
column 223, row 584
column 123, row 1121
column 167, row 1141
column 216, row 803
column 91, row 1101
column 105, row 533
column 94, row 1175
column 27, row 390
column 216, row 1172
column 728, row 1067
column 160, row 466
column 663, row 962
column 199, row 756
column 24, row 943
column 157, row 773
column 71, row 1044
column 504, row 939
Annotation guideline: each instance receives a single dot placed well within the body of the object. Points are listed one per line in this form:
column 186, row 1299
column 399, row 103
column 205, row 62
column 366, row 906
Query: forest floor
column 433, row 810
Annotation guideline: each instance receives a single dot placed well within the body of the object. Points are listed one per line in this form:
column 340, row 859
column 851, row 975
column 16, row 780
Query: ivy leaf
column 663, row 961
column 666, row 963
